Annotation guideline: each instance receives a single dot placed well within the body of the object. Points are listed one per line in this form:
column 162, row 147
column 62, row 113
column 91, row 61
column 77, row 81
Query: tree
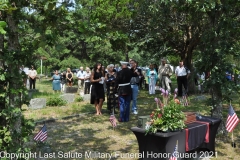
column 14, row 129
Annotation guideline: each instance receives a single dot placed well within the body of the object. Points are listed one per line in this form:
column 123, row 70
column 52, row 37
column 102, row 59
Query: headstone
column 68, row 97
column 200, row 98
column 71, row 90
column 142, row 121
column 37, row 103
column 30, row 92
column 81, row 93
column 86, row 97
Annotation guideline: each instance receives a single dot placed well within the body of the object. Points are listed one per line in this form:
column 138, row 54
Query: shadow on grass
column 77, row 136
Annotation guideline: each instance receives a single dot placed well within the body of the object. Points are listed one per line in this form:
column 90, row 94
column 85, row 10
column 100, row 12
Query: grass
column 94, row 133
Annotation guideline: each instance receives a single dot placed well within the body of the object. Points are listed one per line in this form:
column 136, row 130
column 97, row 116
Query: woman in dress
column 112, row 100
column 97, row 90
column 152, row 79
column 56, row 79
column 69, row 77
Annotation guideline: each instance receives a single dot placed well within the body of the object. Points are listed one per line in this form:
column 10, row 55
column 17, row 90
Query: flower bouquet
column 169, row 118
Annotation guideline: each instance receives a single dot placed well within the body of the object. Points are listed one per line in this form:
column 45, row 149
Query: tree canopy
column 66, row 33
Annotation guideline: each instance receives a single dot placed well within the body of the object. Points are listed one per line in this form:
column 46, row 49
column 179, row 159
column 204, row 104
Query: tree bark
column 217, row 106
column 13, row 70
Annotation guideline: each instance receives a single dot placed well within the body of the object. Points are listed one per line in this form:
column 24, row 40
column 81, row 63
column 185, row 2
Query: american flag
column 174, row 155
column 113, row 120
column 41, row 135
column 232, row 119
column 185, row 100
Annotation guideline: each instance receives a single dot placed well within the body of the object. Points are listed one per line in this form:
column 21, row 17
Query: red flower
column 151, row 115
column 159, row 115
column 177, row 101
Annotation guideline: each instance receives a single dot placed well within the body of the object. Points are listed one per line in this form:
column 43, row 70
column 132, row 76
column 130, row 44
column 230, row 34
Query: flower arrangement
column 166, row 118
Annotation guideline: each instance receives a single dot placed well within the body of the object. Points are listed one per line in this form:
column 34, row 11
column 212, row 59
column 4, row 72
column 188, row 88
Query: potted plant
column 167, row 118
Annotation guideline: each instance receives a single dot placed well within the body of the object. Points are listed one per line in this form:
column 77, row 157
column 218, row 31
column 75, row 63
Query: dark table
column 161, row 145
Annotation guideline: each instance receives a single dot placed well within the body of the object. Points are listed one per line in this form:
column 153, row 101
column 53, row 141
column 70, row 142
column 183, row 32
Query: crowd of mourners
column 121, row 85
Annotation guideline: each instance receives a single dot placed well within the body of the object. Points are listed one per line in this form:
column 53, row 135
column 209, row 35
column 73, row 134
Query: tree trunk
column 2, row 83
column 187, row 58
column 13, row 69
column 217, row 106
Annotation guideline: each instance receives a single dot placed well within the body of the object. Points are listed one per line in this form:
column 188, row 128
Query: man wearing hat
column 164, row 74
column 124, row 91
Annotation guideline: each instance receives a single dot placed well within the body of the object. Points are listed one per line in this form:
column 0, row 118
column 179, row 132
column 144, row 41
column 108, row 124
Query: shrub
column 56, row 102
column 79, row 99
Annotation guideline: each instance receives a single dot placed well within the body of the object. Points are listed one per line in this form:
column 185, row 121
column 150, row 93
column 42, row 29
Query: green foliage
column 10, row 138
column 70, row 62
column 79, row 99
column 56, row 102
column 167, row 119
column 2, row 26
column 44, row 70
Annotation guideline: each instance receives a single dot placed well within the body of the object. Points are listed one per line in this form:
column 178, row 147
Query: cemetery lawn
column 85, row 132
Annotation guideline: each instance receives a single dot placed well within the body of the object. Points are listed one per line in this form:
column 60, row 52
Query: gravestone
column 30, row 93
column 68, row 97
column 71, row 90
column 37, row 103
column 200, row 98
column 86, row 97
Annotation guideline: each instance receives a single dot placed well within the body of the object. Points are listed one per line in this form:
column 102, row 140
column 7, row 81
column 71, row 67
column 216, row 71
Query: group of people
column 163, row 75
column 122, row 88
column 121, row 85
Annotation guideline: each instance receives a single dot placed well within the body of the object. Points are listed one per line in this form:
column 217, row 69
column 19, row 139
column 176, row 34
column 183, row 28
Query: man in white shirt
column 81, row 76
column 182, row 74
column 32, row 73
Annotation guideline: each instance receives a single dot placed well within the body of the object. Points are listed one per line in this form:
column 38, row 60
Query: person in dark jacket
column 124, row 91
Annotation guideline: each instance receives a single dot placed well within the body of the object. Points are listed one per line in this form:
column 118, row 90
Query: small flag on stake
column 185, row 100
column 113, row 120
column 232, row 119
column 41, row 135
column 174, row 154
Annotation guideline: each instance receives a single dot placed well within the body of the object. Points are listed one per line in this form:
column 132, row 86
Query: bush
column 79, row 99
column 56, row 102
column 43, row 71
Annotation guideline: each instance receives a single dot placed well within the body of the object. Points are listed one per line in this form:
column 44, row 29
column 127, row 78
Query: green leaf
column 2, row 26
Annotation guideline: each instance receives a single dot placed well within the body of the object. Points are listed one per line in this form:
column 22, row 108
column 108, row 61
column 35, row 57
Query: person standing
column 110, row 83
column 182, row 74
column 104, row 73
column 56, row 80
column 97, row 90
column 32, row 73
column 124, row 91
column 63, row 81
column 80, row 76
column 87, row 81
column 134, row 85
column 152, row 79
column 69, row 77
column 164, row 74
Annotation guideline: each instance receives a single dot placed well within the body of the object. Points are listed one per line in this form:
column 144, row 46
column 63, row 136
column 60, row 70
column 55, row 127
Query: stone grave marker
column 71, row 90
column 37, row 103
column 86, row 97
column 68, row 97
column 200, row 98
column 31, row 92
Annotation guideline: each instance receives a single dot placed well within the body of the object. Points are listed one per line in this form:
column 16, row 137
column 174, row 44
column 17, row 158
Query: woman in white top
column 87, row 82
